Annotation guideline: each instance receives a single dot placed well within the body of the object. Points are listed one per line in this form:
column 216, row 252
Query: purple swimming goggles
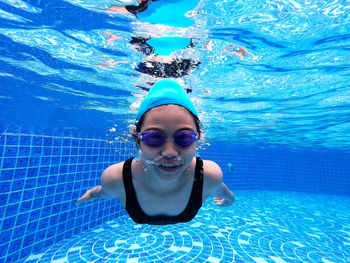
column 156, row 138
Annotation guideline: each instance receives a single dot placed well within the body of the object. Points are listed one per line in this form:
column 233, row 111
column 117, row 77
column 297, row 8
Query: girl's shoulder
column 212, row 176
column 212, row 169
column 112, row 177
column 112, row 181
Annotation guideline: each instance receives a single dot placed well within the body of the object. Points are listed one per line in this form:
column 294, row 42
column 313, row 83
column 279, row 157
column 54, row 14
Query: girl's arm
column 223, row 196
column 213, row 185
column 94, row 193
column 111, row 186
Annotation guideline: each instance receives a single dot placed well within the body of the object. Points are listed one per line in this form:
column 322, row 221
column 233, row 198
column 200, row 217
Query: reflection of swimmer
column 162, row 66
column 187, row 89
column 208, row 45
column 241, row 52
column 108, row 64
column 111, row 37
column 140, row 45
column 174, row 69
column 167, row 184
column 129, row 9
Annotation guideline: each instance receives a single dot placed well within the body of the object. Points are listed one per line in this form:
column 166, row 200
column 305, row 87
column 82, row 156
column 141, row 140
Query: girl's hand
column 223, row 196
column 90, row 195
column 222, row 201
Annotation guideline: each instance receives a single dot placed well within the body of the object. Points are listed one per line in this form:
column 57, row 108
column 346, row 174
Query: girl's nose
column 169, row 150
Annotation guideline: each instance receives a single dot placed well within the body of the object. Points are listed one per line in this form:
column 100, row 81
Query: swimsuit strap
column 135, row 9
column 136, row 213
column 130, row 194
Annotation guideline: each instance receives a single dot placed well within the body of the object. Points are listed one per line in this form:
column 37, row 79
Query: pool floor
column 260, row 227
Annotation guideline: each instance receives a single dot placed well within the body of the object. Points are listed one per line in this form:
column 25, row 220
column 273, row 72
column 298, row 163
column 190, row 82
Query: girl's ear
column 134, row 135
column 137, row 141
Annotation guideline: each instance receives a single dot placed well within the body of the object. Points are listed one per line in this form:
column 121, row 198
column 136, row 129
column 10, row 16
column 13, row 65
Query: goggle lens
column 156, row 138
column 153, row 138
column 185, row 138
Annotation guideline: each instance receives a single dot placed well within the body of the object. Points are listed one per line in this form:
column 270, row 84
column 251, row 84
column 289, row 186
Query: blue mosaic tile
column 34, row 161
column 12, row 140
column 32, row 172
column 29, row 183
column 11, row 151
column 57, row 141
column 39, row 245
column 235, row 234
column 6, row 175
column 45, row 213
column 2, row 211
column 47, row 151
column 22, row 162
column 36, row 151
column 66, row 142
column 54, row 169
column 37, row 141
column 24, row 151
column 18, row 231
column 12, row 210
column 13, row 257
column 55, row 160
column 17, row 185
column 25, row 205
column 75, row 142
column 5, row 186
column 35, row 214
column 25, row 140
column 9, row 163
column 2, row 139
column 48, row 141
column 65, row 151
column 5, row 236
column 25, row 252
column 8, row 223
column 22, row 218
column 28, row 240
column 20, row 173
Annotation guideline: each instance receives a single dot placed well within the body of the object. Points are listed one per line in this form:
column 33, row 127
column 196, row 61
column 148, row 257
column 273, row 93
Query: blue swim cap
column 166, row 45
column 169, row 12
column 166, row 91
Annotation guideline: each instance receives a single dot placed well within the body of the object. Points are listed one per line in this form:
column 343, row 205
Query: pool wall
column 42, row 177
column 308, row 170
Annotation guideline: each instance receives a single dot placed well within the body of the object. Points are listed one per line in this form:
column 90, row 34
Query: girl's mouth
column 166, row 166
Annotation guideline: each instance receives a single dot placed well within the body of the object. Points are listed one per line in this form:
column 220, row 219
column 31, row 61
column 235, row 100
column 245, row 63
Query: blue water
column 291, row 89
column 270, row 80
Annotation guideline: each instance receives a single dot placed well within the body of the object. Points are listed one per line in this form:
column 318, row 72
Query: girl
column 168, row 184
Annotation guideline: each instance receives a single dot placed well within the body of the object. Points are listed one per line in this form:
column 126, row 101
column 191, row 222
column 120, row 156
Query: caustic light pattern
column 260, row 227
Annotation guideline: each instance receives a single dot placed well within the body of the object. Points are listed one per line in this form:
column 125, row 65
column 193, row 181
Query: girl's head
column 167, row 129
column 164, row 92
column 195, row 119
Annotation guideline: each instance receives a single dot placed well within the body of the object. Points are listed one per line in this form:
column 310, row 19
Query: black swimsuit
column 134, row 210
column 135, row 9
column 174, row 69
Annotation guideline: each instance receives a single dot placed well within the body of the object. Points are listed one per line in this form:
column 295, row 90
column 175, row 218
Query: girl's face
column 169, row 160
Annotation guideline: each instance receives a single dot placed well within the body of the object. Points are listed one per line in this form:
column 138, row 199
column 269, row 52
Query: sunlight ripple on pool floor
column 260, row 227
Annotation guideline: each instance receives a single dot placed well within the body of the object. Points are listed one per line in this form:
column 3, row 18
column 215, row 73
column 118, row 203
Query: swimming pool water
column 60, row 57
column 261, row 226
column 71, row 78
column 41, row 178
